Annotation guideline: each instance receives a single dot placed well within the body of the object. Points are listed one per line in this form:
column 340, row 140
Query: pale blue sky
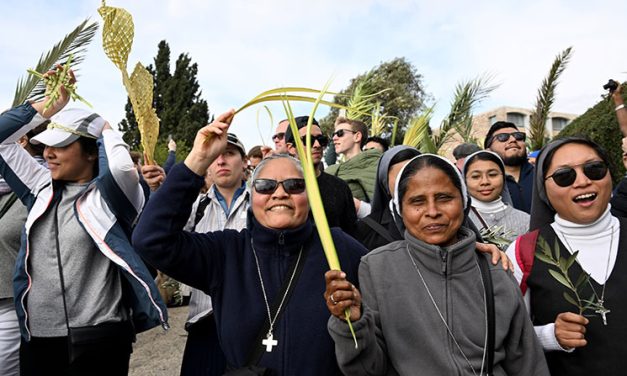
column 245, row 47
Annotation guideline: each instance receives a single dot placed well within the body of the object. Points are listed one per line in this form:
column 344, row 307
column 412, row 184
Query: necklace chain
column 448, row 329
column 263, row 288
column 607, row 265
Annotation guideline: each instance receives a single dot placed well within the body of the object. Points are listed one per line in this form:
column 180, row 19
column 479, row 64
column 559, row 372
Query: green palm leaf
column 468, row 94
column 75, row 43
column 545, row 99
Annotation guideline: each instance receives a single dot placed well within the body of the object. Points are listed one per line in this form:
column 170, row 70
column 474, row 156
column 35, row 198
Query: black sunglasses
column 502, row 137
column 268, row 186
column 340, row 132
column 322, row 140
column 278, row 136
column 565, row 176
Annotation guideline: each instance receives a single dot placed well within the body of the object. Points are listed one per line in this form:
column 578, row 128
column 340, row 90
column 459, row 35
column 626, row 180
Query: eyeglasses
column 565, row 176
column 322, row 140
column 503, row 137
column 279, row 136
column 340, row 132
column 268, row 186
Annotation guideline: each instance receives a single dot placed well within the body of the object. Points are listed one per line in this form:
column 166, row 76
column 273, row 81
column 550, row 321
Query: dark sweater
column 222, row 264
column 520, row 191
column 337, row 201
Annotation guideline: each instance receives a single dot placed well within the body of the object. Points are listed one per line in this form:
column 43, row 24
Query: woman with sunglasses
column 265, row 281
column 571, row 213
column 491, row 207
column 431, row 304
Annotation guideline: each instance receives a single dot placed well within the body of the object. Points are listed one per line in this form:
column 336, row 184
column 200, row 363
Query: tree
column 600, row 125
column 176, row 100
column 403, row 99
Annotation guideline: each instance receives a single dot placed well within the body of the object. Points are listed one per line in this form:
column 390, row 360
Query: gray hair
column 265, row 161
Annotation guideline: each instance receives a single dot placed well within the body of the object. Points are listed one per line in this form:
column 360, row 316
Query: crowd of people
column 88, row 233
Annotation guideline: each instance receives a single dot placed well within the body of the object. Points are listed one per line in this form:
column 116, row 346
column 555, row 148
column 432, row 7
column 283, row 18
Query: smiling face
column 432, row 207
column 511, row 151
column 280, row 210
column 484, row 180
column 585, row 200
column 227, row 170
column 349, row 141
column 70, row 163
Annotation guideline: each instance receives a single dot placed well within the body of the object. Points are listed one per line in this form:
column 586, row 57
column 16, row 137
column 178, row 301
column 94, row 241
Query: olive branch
column 496, row 235
column 552, row 257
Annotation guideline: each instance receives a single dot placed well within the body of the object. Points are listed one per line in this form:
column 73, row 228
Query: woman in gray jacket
column 427, row 298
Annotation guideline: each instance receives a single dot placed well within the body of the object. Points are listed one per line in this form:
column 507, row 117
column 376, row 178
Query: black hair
column 89, row 146
column 301, row 122
column 495, row 127
column 379, row 140
column 581, row 140
column 486, row 156
column 421, row 163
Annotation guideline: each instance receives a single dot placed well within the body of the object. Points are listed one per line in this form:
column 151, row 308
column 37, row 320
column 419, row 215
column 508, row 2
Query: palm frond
column 545, row 99
column 360, row 102
column 467, row 95
column 417, row 133
column 75, row 43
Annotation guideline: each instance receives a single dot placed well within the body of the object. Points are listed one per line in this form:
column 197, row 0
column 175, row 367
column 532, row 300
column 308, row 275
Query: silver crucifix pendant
column 602, row 311
column 269, row 342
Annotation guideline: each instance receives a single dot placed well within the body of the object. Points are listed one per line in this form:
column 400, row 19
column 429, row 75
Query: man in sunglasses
column 508, row 142
column 337, row 199
column 279, row 137
column 359, row 169
column 224, row 206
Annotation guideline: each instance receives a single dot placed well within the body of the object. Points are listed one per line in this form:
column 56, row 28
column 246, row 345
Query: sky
column 245, row 47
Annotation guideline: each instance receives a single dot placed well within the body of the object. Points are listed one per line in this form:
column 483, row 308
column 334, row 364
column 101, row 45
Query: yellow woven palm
column 117, row 40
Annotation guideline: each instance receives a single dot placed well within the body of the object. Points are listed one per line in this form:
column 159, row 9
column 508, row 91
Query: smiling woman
column 426, row 299
column 571, row 213
column 266, row 280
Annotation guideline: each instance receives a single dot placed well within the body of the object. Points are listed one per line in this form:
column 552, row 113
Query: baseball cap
column 68, row 125
column 232, row 139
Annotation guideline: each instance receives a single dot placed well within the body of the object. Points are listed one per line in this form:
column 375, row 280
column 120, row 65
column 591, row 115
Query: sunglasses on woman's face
column 566, row 176
column 340, row 132
column 268, row 186
column 503, row 137
column 322, row 140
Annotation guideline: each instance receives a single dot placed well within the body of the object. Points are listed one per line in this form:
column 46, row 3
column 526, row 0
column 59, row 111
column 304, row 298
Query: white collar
column 490, row 207
column 601, row 225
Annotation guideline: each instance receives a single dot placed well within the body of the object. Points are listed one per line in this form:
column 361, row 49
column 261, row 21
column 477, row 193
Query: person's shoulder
column 331, row 180
column 384, row 252
column 332, row 169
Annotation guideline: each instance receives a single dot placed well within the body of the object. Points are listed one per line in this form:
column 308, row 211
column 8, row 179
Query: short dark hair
column 489, row 137
column 464, row 150
column 255, row 152
column 379, row 140
column 301, row 122
column 356, row 126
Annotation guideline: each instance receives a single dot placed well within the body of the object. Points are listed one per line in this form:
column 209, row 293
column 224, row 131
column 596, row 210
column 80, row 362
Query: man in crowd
column 376, row 142
column 224, row 206
column 359, row 169
column 279, row 137
column 508, row 142
column 461, row 151
column 336, row 195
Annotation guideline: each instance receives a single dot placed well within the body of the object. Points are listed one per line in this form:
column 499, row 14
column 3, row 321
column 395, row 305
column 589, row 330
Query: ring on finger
column 332, row 299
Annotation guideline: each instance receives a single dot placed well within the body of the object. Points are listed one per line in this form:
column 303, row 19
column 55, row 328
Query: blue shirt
column 222, row 200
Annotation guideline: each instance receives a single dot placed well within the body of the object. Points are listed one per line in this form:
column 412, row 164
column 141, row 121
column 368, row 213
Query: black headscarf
column 542, row 212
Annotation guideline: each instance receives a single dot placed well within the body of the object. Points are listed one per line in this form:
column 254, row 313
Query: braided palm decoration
column 117, row 39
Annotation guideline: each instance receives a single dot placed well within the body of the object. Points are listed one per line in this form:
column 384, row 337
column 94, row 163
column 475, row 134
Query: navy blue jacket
column 222, row 265
column 521, row 191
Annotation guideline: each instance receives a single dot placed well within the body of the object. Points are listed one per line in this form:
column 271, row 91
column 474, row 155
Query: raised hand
column 209, row 143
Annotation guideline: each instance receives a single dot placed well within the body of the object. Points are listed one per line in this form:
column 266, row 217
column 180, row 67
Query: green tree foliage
column 177, row 101
column 405, row 97
column 599, row 124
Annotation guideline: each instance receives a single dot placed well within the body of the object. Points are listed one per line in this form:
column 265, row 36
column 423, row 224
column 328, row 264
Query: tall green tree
column 403, row 99
column 176, row 99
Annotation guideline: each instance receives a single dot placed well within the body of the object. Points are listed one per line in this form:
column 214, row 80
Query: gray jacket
column 400, row 331
column 11, row 225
